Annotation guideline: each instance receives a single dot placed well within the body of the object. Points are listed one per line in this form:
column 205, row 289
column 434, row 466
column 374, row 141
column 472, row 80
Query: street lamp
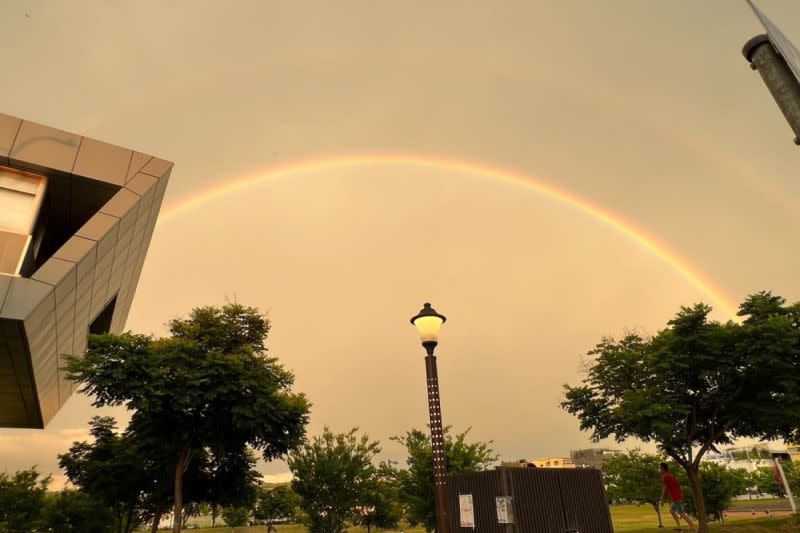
column 428, row 322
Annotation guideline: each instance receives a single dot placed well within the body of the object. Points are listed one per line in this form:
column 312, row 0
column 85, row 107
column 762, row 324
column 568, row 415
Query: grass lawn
column 627, row 519
column 767, row 503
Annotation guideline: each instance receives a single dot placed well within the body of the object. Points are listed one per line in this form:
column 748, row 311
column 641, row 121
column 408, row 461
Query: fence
column 529, row 500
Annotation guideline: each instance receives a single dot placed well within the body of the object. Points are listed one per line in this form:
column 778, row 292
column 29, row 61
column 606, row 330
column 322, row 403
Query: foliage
column 235, row 516
column 334, row 475
column 73, row 511
column 230, row 479
column 22, row 495
column 382, row 508
column 634, row 477
column 766, row 480
column 719, row 484
column 792, row 472
column 275, row 503
column 697, row 384
column 416, row 489
column 110, row 470
column 210, row 386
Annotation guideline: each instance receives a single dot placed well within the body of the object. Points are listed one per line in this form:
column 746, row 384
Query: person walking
column 672, row 487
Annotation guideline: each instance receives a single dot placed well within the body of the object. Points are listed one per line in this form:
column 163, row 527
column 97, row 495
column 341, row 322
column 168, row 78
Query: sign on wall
column 505, row 511
column 466, row 511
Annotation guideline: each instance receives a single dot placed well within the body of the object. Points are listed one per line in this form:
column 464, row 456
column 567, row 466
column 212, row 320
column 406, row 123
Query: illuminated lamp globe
column 428, row 322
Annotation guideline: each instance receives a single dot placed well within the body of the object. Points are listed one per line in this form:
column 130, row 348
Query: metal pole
column 785, row 484
column 437, row 442
column 778, row 78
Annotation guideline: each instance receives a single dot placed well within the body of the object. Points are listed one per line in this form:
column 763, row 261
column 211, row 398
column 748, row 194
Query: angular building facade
column 76, row 219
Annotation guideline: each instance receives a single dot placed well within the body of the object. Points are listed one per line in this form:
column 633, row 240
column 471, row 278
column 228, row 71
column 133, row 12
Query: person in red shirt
column 673, row 487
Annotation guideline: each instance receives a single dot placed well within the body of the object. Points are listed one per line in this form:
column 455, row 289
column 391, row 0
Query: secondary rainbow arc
column 616, row 222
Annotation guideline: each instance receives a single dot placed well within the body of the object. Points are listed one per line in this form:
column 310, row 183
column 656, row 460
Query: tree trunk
column 213, row 515
column 699, row 502
column 128, row 518
column 658, row 512
column 156, row 519
column 180, row 468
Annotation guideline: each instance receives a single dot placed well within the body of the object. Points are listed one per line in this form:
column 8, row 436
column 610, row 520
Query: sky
column 545, row 173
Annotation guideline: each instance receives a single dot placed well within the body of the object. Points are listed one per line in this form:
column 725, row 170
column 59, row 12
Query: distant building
column 550, row 462
column 794, row 451
column 751, row 458
column 592, row 457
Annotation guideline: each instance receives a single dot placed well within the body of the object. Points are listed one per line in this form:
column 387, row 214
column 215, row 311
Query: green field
column 627, row 519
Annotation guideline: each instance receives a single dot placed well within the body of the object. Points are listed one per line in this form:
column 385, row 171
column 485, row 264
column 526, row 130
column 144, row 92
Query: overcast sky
column 647, row 110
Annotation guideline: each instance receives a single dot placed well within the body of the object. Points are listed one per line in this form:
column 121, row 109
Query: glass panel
column 19, row 182
column 12, row 247
column 17, row 210
column 20, row 197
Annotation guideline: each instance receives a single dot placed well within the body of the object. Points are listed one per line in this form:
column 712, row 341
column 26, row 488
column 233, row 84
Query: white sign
column 505, row 512
column 466, row 510
column 784, row 47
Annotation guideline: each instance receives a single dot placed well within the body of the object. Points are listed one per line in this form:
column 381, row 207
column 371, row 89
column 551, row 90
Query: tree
column 719, row 486
column 634, row 476
column 334, row 475
column 792, row 472
column 110, row 470
column 416, row 488
column 381, row 509
column 231, row 480
column 274, row 504
column 209, row 386
column 235, row 516
column 21, row 498
column 73, row 511
column 697, row 384
column 766, row 481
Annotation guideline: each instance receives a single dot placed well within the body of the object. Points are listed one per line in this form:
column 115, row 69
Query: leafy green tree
column 235, row 516
column 697, row 384
column 210, row 386
column 792, row 472
column 333, row 475
column 73, row 511
column 634, row 476
column 274, row 504
column 22, row 496
column 230, row 480
column 381, row 509
column 110, row 470
column 720, row 485
column 416, row 487
column 766, row 481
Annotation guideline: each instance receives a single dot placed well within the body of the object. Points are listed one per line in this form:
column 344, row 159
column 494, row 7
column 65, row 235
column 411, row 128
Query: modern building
column 749, row 458
column 794, row 452
column 76, row 218
column 549, row 462
column 592, row 457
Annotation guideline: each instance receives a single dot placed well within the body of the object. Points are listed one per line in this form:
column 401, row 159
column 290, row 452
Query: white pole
column 785, row 485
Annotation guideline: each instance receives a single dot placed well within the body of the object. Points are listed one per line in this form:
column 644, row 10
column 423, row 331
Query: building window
column 21, row 197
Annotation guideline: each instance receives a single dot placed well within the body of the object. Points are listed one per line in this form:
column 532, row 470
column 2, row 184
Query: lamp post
column 428, row 322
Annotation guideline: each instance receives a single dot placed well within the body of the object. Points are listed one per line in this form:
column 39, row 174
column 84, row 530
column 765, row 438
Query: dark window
column 102, row 323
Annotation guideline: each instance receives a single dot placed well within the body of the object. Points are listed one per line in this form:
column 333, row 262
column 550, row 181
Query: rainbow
column 595, row 211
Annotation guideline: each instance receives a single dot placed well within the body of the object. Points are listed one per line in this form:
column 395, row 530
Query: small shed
column 529, row 500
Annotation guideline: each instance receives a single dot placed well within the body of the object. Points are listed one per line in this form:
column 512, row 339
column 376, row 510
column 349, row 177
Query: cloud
column 25, row 448
column 284, row 477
